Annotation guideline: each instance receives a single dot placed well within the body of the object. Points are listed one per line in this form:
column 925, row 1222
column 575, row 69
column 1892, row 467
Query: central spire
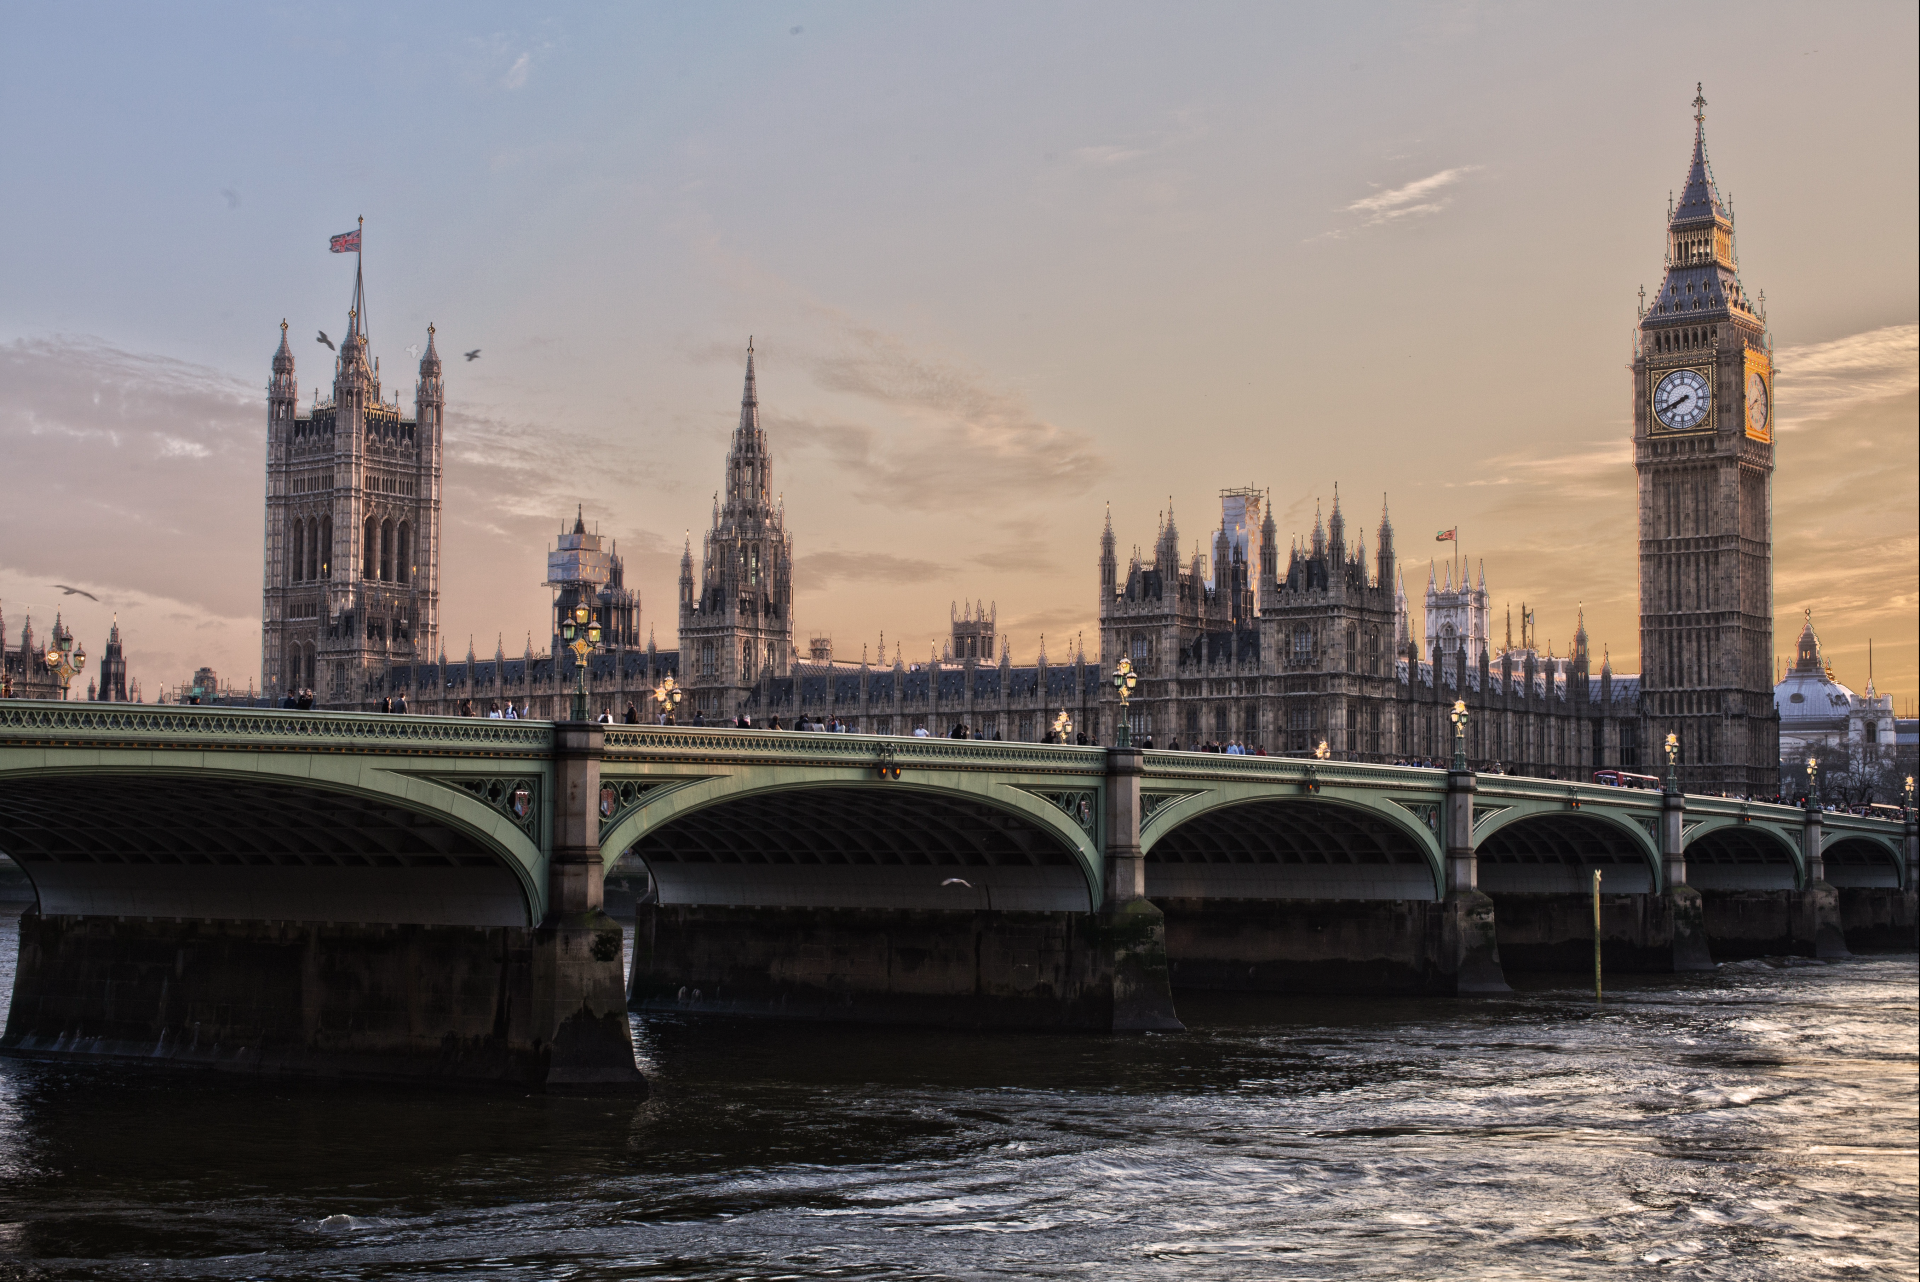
column 749, row 397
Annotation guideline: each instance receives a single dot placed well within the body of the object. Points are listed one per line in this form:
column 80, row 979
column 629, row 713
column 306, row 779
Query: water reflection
column 1756, row 1121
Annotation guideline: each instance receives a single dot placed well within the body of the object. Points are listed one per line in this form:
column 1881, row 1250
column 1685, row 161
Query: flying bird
column 233, row 197
column 76, row 592
column 328, row 341
column 413, row 350
column 474, row 355
column 957, row 881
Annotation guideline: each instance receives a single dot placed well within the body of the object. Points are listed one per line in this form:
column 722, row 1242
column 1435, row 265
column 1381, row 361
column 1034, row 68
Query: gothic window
column 1139, row 646
column 326, row 547
column 1220, row 722
column 386, row 551
column 1251, row 720
column 297, row 545
column 773, row 656
column 1302, row 645
column 403, row 554
column 746, row 661
column 706, row 658
column 1193, row 721
column 370, row 553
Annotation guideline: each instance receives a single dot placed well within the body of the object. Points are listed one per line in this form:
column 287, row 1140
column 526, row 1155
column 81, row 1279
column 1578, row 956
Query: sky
column 1003, row 265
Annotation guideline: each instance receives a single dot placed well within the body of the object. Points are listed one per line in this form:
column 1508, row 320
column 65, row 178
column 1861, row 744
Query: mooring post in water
column 1596, row 936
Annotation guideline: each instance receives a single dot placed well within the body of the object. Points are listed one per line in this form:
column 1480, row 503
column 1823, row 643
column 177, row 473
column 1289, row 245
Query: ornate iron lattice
column 621, row 797
column 518, row 798
column 1152, row 803
column 1426, row 812
column 1481, row 814
column 1077, row 806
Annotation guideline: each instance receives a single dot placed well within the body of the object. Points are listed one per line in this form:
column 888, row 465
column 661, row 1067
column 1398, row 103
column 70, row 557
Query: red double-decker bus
column 1621, row 779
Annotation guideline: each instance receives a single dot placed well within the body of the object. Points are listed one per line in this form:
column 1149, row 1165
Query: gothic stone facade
column 1703, row 449
column 736, row 620
column 353, row 526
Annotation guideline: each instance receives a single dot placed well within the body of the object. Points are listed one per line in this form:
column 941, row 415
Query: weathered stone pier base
column 1639, row 933
column 1880, row 918
column 1775, row 923
column 1334, row 945
column 976, row 969
column 533, row 1008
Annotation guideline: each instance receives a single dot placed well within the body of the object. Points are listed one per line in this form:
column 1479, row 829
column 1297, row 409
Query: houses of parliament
column 1306, row 648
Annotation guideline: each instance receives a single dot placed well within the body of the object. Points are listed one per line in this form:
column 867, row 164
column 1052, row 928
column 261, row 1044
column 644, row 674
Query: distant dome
column 1808, row 693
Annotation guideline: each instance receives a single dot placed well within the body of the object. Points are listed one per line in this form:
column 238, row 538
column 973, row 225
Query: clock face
column 1756, row 403
column 1680, row 401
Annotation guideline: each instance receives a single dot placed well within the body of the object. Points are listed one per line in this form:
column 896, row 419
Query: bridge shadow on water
column 1279, row 1136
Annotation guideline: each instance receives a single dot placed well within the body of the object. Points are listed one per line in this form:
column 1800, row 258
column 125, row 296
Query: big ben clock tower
column 1703, row 449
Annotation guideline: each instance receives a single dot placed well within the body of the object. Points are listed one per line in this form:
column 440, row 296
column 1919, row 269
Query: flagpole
column 359, row 261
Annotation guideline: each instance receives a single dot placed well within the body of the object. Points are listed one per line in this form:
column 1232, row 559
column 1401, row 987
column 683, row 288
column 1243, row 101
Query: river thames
column 1757, row 1122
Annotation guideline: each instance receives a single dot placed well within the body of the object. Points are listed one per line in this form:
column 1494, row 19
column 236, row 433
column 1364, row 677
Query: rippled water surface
column 1759, row 1122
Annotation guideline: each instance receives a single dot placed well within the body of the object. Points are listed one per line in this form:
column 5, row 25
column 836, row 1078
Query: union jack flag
column 347, row 242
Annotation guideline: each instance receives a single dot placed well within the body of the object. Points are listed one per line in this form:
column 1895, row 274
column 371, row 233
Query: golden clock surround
column 1705, row 426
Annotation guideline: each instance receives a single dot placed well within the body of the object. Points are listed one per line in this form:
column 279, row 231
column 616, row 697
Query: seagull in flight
column 328, row 341
column 957, row 881
column 413, row 350
column 474, row 355
column 76, row 592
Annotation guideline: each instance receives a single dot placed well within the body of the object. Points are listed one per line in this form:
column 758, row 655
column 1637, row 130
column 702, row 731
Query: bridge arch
column 1245, row 843
column 1859, row 860
column 1726, row 854
column 1525, row 849
column 266, row 837
column 846, row 841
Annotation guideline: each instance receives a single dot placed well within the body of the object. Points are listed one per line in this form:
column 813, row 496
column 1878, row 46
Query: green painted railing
column 821, row 748
column 43, row 721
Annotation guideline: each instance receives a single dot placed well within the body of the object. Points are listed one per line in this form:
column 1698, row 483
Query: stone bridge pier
column 913, row 881
column 331, row 895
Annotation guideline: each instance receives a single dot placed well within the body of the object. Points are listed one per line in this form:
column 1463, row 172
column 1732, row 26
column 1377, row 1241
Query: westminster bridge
column 356, row 894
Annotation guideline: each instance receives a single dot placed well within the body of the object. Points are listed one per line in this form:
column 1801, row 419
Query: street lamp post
column 65, row 659
column 1906, row 805
column 1813, row 783
column 1062, row 726
column 1459, row 717
column 1322, row 752
column 668, row 695
column 582, row 635
column 1124, row 681
column 1673, row 761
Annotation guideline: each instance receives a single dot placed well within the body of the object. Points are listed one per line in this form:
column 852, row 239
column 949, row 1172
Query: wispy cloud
column 955, row 441
column 516, row 76
column 820, row 570
column 1819, row 380
column 1104, row 157
column 1417, row 198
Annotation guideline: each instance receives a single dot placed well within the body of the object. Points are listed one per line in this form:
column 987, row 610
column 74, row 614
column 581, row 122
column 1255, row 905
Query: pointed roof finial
column 1699, row 105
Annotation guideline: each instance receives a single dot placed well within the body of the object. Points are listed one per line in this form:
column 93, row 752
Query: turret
column 1109, row 567
column 686, row 577
column 283, row 390
column 1336, row 539
column 1269, row 557
column 1386, row 545
column 429, row 396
